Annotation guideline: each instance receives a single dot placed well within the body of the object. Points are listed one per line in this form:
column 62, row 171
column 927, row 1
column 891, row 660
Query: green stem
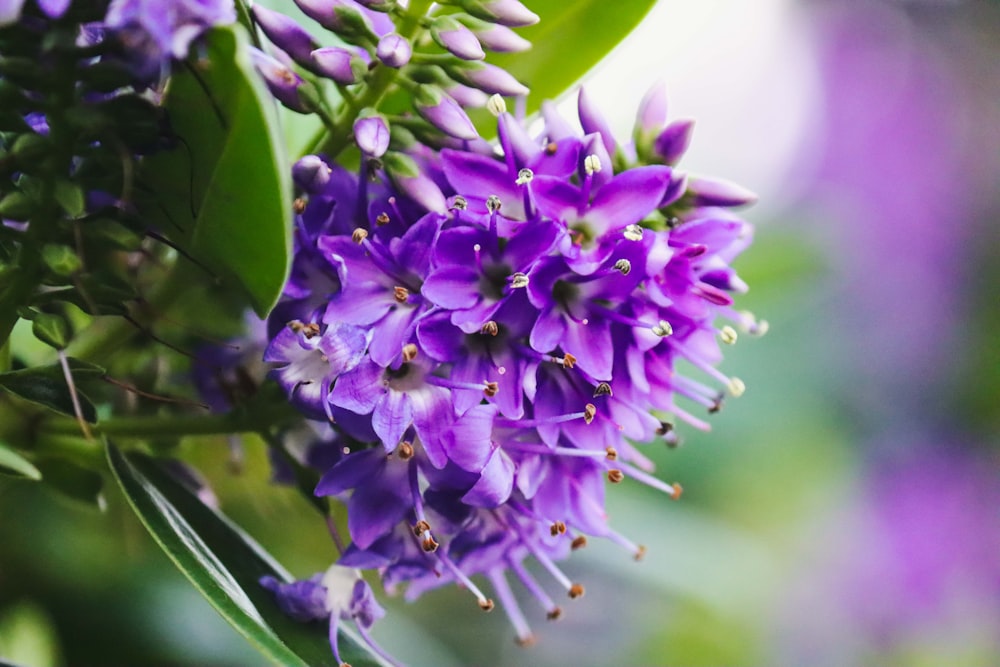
column 145, row 426
column 334, row 140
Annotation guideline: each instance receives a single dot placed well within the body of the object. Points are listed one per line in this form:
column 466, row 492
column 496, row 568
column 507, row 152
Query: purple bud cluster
column 439, row 59
column 488, row 335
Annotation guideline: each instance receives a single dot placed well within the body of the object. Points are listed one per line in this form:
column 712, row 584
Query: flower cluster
column 489, row 335
column 437, row 59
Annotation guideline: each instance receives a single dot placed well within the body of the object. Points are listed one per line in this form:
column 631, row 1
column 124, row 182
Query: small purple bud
column 489, row 78
column 283, row 83
column 285, row 33
column 457, row 39
column 593, row 121
column 652, row 113
column 671, row 144
column 311, row 174
column 443, row 112
column 372, row 135
column 496, row 37
column 338, row 64
column 394, row 50
column 718, row 192
column 406, row 176
column 505, row 12
column 466, row 96
column 340, row 16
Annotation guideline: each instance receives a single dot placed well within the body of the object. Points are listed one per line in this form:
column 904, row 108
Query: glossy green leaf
column 570, row 38
column 224, row 189
column 13, row 464
column 46, row 386
column 225, row 565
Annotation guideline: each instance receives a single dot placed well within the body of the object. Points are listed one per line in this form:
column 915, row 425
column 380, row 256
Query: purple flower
column 339, row 594
column 154, row 32
column 505, row 347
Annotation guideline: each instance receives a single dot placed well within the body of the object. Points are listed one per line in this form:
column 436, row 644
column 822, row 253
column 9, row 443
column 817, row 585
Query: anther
column 359, row 235
column 663, row 329
column 430, row 545
column 633, row 233
column 568, row 360
column 420, row 527
column 460, row 203
column 728, row 335
column 401, row 294
column 382, row 219
column 491, row 389
column 579, row 542
column 589, row 412
column 493, row 203
column 554, row 614
column 486, row 605
column 736, row 387
column 409, row 352
column 716, row 406
column 602, row 389
column 308, row 330
column 490, row 329
column 624, row 266
column 665, row 428
column 592, row 164
column 299, row 205
column 558, row 528
column 640, row 553
column 678, row 490
column 496, row 104
column 615, row 476
column 612, row 453
column 524, row 176
column 519, row 280
column 405, row 450
column 576, row 591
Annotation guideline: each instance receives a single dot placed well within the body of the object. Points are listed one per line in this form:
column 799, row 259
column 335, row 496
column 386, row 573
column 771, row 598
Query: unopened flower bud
column 717, row 192
column 340, row 65
column 407, row 177
column 494, row 36
column 311, row 174
column 456, row 38
column 343, row 17
column 673, row 141
column 285, row 33
column 594, row 122
column 283, row 83
column 443, row 112
column 488, row 78
column 372, row 135
column 394, row 50
column 505, row 12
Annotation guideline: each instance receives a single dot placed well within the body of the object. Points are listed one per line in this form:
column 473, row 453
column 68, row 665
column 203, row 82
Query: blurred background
column 845, row 510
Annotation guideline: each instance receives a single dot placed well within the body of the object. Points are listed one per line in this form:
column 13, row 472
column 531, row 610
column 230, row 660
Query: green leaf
column 224, row 190
column 46, row 386
column 568, row 41
column 13, row 464
column 225, row 565
column 73, row 481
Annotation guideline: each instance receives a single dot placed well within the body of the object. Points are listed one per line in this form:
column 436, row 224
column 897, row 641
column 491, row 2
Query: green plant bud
column 70, row 197
column 29, row 147
column 16, row 206
column 53, row 330
column 61, row 260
